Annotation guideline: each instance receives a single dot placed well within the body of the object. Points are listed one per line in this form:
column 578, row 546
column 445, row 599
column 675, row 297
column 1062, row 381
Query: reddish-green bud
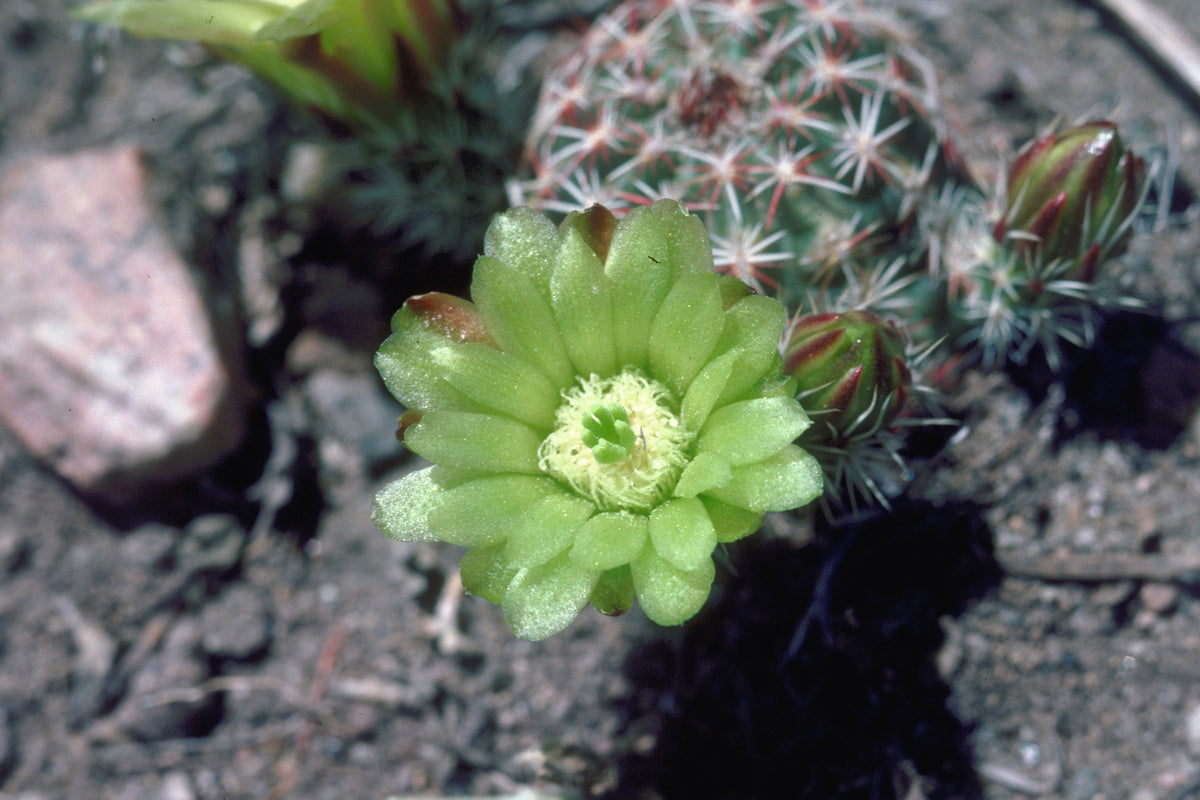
column 850, row 371
column 1071, row 195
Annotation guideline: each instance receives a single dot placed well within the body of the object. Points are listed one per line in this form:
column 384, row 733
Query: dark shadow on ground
column 814, row 672
column 1138, row 382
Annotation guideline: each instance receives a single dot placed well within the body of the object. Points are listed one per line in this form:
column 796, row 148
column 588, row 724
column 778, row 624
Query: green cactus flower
column 604, row 413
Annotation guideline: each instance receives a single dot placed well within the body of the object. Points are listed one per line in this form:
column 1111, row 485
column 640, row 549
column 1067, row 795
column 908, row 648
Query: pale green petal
column 548, row 529
column 682, row 533
column 500, row 381
column 731, row 522
column 466, row 439
column 686, row 330
column 526, row 241
column 753, row 325
column 785, row 481
column 518, row 316
column 582, row 301
column 752, row 430
column 406, row 364
column 707, row 387
column 485, row 573
column 543, row 600
column 613, row 593
column 668, row 595
column 609, row 540
column 705, row 472
column 401, row 509
column 639, row 268
column 485, row 511
column 687, row 239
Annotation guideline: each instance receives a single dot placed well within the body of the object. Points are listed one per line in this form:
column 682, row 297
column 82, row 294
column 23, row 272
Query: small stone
column 1192, row 730
column 212, row 543
column 176, row 786
column 1160, row 598
column 237, row 625
column 14, row 550
column 109, row 366
column 355, row 410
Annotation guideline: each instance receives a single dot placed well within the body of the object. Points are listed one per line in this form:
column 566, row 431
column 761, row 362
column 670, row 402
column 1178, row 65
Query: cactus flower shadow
column 815, row 669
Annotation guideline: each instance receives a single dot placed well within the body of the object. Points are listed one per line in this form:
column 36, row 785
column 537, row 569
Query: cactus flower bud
column 851, row 372
column 350, row 61
column 1072, row 195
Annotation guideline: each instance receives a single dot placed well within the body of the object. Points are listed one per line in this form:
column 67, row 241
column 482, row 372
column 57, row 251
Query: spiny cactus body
column 805, row 133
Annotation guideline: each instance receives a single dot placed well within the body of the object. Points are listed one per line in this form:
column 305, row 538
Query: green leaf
column 477, row 441
column 752, row 430
column 639, row 269
column 519, row 317
column 548, row 529
column 667, row 594
column 609, row 539
column 543, row 600
column 686, row 329
column 682, row 533
column 487, row 510
column 401, row 509
column 785, row 481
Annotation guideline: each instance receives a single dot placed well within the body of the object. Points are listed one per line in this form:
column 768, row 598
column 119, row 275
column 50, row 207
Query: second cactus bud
column 1072, row 196
column 851, row 372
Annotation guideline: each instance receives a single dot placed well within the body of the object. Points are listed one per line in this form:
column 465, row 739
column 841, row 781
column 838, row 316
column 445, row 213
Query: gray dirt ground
column 366, row 674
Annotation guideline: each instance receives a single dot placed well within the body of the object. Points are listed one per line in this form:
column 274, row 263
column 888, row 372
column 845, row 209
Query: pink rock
column 109, row 367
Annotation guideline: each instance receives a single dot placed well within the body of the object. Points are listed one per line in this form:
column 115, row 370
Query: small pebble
column 1161, row 598
column 237, row 625
column 1192, row 730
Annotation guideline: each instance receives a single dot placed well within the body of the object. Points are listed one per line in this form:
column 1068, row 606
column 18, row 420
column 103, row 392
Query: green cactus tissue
column 600, row 416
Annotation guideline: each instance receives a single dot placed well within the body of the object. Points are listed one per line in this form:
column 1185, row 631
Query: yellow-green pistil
column 607, row 431
column 617, row 442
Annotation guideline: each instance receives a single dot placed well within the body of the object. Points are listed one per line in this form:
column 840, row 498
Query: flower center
column 617, row 442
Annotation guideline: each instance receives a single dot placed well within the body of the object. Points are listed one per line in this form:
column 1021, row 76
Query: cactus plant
column 809, row 136
column 422, row 134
